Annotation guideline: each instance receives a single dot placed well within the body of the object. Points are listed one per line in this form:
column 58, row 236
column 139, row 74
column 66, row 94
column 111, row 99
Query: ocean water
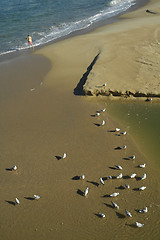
column 50, row 19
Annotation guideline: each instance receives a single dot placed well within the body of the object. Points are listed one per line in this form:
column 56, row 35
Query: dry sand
column 41, row 119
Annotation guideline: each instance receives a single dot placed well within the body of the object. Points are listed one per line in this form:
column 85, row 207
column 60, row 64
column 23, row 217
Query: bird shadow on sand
column 113, row 168
column 10, row 202
column 98, row 215
column 9, row 169
column 29, row 198
column 125, row 158
column 106, row 196
column 94, row 183
column 131, row 225
column 136, row 189
column 97, row 124
column 108, row 205
column 120, row 215
column 126, row 177
column 76, row 178
column 58, row 157
column 80, row 192
column 138, row 178
column 120, row 187
column 117, row 148
column 111, row 131
column 148, row 11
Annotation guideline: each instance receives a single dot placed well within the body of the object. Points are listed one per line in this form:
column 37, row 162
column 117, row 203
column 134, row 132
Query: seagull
column 104, row 85
column 86, row 192
column 114, row 205
column 132, row 157
column 142, row 165
column 17, row 201
column 98, row 114
column 117, row 129
column 114, row 194
column 14, row 168
column 103, row 110
column 144, row 210
column 128, row 213
column 144, row 176
column 119, row 176
column 101, row 215
column 118, row 166
column 101, row 181
column 32, row 89
column 64, row 156
column 124, row 146
column 139, row 224
column 142, row 188
column 124, row 133
column 103, row 123
column 133, row 175
column 82, row 176
column 127, row 186
column 36, row 197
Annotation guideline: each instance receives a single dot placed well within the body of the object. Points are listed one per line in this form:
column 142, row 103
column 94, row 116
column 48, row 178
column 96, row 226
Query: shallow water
column 141, row 120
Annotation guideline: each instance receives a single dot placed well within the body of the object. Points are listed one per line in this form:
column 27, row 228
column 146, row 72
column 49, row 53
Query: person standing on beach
column 29, row 39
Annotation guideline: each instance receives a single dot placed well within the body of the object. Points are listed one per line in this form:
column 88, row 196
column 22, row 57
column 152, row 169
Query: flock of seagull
column 132, row 176
column 115, row 194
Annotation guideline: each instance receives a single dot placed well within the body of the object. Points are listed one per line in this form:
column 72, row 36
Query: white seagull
column 104, row 85
column 124, row 146
column 144, row 176
column 103, row 123
column 101, row 215
column 128, row 213
column 124, row 133
column 64, row 156
column 117, row 129
column 17, row 201
column 119, row 176
column 144, row 210
column 114, row 194
column 82, row 176
column 86, row 192
column 32, row 89
column 142, row 188
column 139, row 224
column 132, row 157
column 101, row 181
column 98, row 114
column 115, row 205
column 36, row 197
column 133, row 175
column 127, row 186
column 103, row 110
column 14, row 168
column 142, row 165
column 118, row 166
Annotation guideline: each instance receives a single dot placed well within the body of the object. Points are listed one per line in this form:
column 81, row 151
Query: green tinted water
column 142, row 121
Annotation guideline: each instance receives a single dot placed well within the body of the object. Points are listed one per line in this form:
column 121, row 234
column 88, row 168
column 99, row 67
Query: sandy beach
column 44, row 114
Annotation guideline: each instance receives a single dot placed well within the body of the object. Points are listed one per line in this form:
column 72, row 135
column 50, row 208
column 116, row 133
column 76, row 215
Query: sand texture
column 129, row 59
column 43, row 115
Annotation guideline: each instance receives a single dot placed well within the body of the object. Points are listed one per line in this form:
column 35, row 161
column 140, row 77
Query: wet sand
column 44, row 115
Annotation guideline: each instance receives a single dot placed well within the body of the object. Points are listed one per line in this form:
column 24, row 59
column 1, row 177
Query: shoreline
column 93, row 27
